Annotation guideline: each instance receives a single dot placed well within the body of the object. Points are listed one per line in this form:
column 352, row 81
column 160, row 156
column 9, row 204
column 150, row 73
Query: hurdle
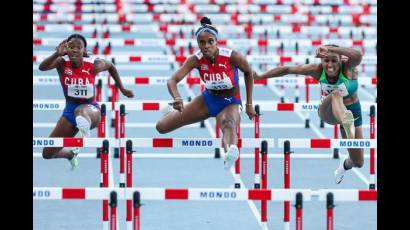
column 104, row 175
column 102, row 126
column 238, row 161
column 39, row 80
column 157, row 105
column 316, row 143
column 329, row 212
column 264, row 181
column 104, row 180
column 372, row 184
column 113, row 210
column 156, row 142
column 136, row 210
column 286, row 185
column 265, row 105
column 256, row 155
column 170, row 59
column 204, row 194
column 201, row 194
column 190, row 80
column 299, row 206
column 341, row 143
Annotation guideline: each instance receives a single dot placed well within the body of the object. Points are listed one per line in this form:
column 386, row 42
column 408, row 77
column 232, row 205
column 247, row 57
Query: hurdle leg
column 329, row 214
column 104, row 183
column 238, row 161
column 257, row 134
column 129, row 185
column 299, row 206
column 335, row 134
column 113, row 210
column 218, row 135
column 137, row 205
column 264, row 204
column 286, row 169
column 372, row 184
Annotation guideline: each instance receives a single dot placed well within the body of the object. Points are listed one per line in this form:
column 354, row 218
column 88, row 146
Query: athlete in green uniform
column 339, row 102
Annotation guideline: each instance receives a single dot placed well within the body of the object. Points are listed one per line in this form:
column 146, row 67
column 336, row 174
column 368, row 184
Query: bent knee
column 47, row 153
column 336, row 94
column 358, row 163
column 161, row 127
column 228, row 124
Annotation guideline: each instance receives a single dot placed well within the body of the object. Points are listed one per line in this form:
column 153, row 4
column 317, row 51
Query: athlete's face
column 75, row 49
column 330, row 64
column 207, row 44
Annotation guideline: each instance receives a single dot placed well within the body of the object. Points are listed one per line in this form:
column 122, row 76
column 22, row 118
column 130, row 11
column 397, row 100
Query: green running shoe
column 74, row 160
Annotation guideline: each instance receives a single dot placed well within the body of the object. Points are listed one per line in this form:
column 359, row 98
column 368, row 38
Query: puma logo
column 228, row 98
column 222, row 65
column 85, row 71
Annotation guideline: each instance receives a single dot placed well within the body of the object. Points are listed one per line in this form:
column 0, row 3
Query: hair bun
column 206, row 20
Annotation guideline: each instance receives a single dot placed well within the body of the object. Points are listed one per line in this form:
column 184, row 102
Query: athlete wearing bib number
column 218, row 69
column 339, row 100
column 77, row 73
column 219, row 77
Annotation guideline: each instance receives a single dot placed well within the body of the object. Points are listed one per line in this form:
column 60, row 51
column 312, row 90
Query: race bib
column 81, row 91
column 328, row 89
column 217, row 81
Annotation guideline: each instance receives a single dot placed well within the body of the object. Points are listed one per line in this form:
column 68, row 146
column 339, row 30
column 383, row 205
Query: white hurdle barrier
column 147, row 142
column 222, row 27
column 203, row 142
column 265, row 105
column 201, row 194
column 144, row 80
column 329, row 143
column 244, row 125
column 233, row 43
column 170, row 59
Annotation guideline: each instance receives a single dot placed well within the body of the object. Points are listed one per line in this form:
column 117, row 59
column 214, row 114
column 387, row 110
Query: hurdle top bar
column 265, row 105
column 146, row 80
column 147, row 142
column 201, row 194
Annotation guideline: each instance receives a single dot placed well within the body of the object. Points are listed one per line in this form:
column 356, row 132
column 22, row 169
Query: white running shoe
column 74, row 160
column 231, row 156
column 348, row 124
column 340, row 172
column 83, row 126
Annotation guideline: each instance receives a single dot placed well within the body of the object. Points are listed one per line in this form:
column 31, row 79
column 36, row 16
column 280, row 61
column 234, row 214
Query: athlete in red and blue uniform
column 218, row 68
column 77, row 73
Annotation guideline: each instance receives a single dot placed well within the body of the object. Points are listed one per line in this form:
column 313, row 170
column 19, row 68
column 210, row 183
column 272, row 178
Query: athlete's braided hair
column 206, row 26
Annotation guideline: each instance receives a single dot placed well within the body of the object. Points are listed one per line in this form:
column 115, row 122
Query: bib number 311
column 81, row 91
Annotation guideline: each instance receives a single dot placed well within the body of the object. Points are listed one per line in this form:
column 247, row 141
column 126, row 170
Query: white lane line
column 320, row 134
column 213, row 135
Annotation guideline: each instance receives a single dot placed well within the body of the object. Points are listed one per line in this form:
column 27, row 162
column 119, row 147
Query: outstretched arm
column 313, row 70
column 101, row 65
column 188, row 65
column 240, row 61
